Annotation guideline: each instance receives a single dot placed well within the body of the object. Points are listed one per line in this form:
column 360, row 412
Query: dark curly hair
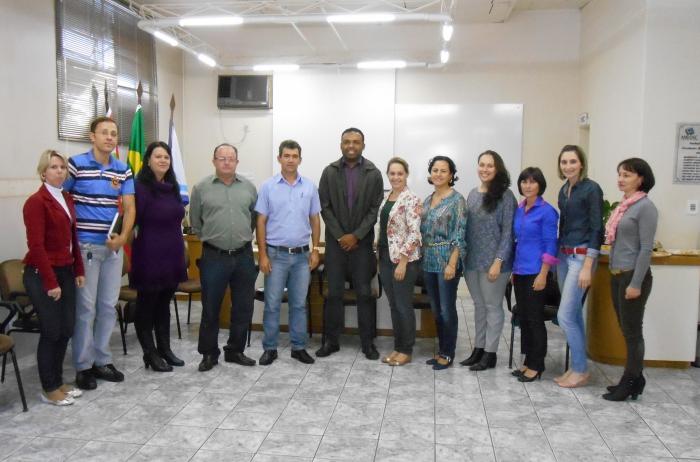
column 500, row 183
column 450, row 165
column 147, row 176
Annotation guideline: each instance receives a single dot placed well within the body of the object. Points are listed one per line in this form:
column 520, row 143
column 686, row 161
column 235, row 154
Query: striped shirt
column 96, row 190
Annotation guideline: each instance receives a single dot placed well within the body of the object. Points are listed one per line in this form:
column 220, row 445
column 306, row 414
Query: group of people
column 74, row 263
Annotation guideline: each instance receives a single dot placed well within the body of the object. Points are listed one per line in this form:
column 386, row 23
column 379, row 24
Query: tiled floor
column 348, row 408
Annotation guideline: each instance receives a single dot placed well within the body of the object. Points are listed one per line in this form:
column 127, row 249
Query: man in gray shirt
column 222, row 216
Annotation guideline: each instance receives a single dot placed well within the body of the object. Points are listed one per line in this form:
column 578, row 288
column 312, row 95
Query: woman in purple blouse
column 158, row 255
column 535, row 231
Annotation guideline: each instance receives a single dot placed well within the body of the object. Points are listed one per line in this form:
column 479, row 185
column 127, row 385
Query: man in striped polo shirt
column 97, row 182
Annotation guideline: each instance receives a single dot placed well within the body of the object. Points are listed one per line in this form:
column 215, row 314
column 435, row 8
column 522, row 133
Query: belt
column 574, row 250
column 617, row 272
column 281, row 248
column 237, row 251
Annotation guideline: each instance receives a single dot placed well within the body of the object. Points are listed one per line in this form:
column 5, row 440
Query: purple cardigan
column 158, row 252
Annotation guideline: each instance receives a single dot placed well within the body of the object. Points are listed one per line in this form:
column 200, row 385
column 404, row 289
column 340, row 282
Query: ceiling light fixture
column 447, row 31
column 392, row 64
column 197, row 21
column 275, row 67
column 169, row 39
column 206, row 59
column 444, row 56
column 361, row 18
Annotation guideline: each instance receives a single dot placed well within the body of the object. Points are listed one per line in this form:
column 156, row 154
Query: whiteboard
column 461, row 132
column 314, row 107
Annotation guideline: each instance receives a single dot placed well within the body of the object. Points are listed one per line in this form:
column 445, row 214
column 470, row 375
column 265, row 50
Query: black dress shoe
column 487, row 361
column 208, row 362
column 170, row 358
column 85, row 380
column 474, row 358
column 302, row 356
column 267, row 357
column 327, row 350
column 107, row 372
column 238, row 358
column 371, row 352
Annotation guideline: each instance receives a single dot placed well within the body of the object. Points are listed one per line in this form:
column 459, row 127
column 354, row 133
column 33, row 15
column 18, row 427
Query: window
column 98, row 43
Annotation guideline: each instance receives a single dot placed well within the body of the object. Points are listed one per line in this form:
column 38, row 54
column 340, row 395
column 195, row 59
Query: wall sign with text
column 687, row 169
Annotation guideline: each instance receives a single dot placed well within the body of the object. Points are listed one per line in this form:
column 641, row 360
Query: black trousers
column 358, row 266
column 400, row 295
column 152, row 311
column 217, row 272
column 630, row 315
column 533, row 333
column 56, row 321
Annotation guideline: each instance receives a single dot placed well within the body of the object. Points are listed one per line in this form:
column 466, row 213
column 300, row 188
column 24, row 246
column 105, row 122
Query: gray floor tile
column 192, row 416
column 162, row 454
column 462, row 435
column 127, row 431
column 399, row 451
column 532, row 454
column 99, row 451
column 356, row 419
column 204, row 455
column 235, row 441
column 47, row 449
column 459, row 453
column 273, row 458
column 407, row 430
column 347, row 448
column 305, row 417
column 636, row 445
column 251, row 421
column 285, row 444
column 177, row 436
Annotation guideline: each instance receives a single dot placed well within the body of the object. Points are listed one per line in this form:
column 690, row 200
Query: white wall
column 28, row 115
column 638, row 80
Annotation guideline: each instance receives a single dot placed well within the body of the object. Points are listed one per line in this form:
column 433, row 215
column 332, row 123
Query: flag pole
column 139, row 93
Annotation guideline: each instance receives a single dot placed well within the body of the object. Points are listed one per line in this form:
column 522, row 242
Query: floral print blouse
column 443, row 228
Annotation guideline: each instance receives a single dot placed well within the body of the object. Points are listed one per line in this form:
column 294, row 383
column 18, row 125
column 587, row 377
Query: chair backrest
column 552, row 295
column 11, row 284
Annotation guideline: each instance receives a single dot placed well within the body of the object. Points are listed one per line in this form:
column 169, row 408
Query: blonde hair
column 397, row 160
column 45, row 160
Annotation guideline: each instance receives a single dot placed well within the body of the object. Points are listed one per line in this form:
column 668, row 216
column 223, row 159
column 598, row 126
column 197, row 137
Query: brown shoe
column 390, row 358
column 400, row 359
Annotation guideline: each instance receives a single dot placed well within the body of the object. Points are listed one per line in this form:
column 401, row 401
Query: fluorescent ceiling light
column 360, row 18
column 206, row 59
column 444, row 56
column 169, row 39
column 395, row 64
column 275, row 67
column 447, row 31
column 196, row 21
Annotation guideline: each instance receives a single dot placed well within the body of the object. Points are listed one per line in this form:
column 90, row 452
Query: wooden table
column 670, row 319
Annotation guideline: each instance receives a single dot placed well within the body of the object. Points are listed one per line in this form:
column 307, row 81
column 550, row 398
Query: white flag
column 178, row 165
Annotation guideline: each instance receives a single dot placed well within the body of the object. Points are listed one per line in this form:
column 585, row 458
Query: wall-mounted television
column 244, row 92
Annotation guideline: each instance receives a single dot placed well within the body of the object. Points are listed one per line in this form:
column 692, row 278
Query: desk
column 670, row 319
column 425, row 325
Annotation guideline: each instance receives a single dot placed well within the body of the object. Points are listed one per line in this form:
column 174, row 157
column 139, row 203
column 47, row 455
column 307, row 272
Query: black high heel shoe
column 629, row 388
column 642, row 382
column 155, row 362
column 488, row 361
column 474, row 358
column 526, row 379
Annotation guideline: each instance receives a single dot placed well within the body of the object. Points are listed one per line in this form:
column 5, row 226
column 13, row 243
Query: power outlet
column 691, row 207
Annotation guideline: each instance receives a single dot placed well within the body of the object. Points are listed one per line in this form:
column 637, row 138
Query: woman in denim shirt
column 487, row 267
column 442, row 227
column 535, row 229
column 580, row 236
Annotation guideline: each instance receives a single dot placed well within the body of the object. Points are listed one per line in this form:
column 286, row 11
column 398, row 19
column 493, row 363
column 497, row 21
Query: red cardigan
column 49, row 236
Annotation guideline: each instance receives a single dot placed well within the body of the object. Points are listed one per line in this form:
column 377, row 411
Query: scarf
column 614, row 221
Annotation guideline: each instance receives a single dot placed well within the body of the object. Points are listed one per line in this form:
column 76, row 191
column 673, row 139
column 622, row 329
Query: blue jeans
column 216, row 273
column 570, row 314
column 289, row 271
column 95, row 315
column 443, row 301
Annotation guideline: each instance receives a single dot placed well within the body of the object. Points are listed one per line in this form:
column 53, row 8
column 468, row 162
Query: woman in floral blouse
column 443, row 223
column 399, row 254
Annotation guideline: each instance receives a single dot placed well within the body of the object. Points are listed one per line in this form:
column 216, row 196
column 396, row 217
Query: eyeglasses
column 226, row 159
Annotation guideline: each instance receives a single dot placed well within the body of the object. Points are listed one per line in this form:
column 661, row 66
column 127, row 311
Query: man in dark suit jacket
column 351, row 191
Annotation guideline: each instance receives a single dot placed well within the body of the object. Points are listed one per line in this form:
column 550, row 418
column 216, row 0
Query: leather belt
column 237, row 251
column 574, row 250
column 617, row 272
column 281, row 248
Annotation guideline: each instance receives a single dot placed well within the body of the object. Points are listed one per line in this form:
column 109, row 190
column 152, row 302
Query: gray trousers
column 400, row 295
column 488, row 308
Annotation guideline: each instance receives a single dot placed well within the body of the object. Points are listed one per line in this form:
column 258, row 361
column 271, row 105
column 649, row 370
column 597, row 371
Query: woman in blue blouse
column 442, row 226
column 490, row 208
column 580, row 236
column 535, row 230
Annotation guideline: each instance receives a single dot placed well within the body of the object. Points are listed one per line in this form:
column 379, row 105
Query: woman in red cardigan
column 53, row 269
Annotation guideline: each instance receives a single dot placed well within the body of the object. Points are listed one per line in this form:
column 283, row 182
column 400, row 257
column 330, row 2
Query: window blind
column 98, row 42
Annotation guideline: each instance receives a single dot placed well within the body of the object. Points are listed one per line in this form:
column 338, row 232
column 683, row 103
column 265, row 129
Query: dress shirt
column 581, row 216
column 288, row 208
column 351, row 176
column 223, row 215
column 535, row 237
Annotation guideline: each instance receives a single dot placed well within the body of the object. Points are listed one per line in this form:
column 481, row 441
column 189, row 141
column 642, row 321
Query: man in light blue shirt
column 288, row 210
